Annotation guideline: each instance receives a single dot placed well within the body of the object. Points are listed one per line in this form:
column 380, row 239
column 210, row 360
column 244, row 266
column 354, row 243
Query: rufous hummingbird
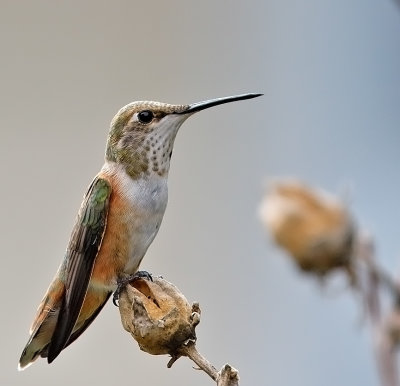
column 119, row 217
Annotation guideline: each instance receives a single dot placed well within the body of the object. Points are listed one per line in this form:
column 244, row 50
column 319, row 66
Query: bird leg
column 123, row 282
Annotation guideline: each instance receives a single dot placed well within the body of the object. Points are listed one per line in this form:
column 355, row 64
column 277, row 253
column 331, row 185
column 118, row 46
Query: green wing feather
column 82, row 250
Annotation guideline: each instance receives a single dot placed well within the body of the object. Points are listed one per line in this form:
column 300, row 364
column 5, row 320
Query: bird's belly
column 147, row 200
column 141, row 236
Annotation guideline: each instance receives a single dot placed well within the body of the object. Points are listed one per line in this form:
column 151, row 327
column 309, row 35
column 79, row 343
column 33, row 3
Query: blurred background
column 330, row 116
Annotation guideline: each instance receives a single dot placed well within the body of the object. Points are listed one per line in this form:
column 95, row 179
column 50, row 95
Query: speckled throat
column 145, row 148
column 149, row 152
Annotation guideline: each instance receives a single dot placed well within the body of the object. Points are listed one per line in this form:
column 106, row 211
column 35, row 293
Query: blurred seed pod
column 158, row 316
column 316, row 229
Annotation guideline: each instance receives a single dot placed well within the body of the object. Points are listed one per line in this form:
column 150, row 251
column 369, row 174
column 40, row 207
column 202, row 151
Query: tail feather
column 31, row 352
column 43, row 326
column 38, row 343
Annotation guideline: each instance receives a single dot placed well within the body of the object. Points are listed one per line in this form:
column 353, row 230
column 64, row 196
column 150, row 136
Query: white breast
column 148, row 198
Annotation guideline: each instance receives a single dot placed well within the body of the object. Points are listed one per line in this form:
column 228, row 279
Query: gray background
column 330, row 71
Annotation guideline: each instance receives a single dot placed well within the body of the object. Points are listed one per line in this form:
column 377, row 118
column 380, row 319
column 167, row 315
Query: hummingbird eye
column 145, row 116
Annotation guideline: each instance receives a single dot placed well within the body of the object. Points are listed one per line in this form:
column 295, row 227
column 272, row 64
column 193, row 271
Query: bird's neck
column 119, row 172
column 142, row 161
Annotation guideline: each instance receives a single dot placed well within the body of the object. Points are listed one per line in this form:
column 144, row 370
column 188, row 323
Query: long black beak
column 194, row 107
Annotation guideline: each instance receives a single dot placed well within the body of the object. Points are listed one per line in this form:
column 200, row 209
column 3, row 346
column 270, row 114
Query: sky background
column 330, row 72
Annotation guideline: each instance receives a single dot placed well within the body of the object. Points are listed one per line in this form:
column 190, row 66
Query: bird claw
column 142, row 275
column 122, row 283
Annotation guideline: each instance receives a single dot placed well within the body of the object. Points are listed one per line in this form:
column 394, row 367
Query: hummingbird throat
column 144, row 152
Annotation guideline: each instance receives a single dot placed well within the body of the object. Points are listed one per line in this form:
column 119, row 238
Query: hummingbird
column 118, row 219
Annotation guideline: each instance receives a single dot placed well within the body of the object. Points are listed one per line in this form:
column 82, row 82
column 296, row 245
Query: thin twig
column 189, row 350
column 377, row 277
column 227, row 376
column 366, row 253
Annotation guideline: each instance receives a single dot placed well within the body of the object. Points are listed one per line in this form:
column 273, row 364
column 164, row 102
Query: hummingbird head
column 142, row 134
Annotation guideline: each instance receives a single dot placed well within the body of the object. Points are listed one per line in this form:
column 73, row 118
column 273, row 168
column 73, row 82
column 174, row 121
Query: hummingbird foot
column 123, row 282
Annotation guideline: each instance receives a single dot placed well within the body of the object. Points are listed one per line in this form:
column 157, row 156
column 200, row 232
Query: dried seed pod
column 316, row 229
column 158, row 316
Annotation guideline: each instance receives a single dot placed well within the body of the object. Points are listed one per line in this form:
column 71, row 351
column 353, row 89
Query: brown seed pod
column 158, row 316
column 316, row 229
